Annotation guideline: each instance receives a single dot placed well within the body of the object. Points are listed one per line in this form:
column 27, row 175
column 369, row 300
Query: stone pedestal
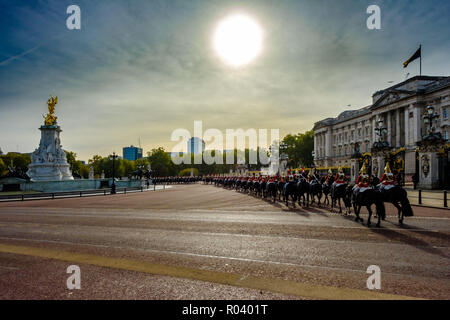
column 48, row 162
column 429, row 170
column 379, row 163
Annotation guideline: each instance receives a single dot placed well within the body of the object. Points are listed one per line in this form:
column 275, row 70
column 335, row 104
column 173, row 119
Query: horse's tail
column 406, row 206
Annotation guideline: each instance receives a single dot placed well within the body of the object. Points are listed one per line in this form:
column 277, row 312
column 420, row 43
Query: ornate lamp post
column 113, row 157
column 429, row 119
column 380, row 131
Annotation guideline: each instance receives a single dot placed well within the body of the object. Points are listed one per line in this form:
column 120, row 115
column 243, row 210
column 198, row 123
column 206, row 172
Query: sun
column 238, row 40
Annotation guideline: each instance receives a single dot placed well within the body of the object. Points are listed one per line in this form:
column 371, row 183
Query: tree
column 19, row 161
column 187, row 172
column 76, row 165
column 3, row 167
column 161, row 163
column 299, row 148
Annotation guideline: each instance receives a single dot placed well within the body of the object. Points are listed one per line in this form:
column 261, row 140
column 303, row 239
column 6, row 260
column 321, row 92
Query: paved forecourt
column 197, row 241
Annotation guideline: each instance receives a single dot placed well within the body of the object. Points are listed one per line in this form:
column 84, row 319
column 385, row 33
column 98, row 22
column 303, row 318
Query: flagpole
column 420, row 46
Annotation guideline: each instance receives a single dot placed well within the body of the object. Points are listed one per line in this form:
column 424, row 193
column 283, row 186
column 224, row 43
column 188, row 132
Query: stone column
column 407, row 126
column 373, row 137
column 417, row 125
column 316, row 148
column 389, row 128
column 328, row 143
column 397, row 128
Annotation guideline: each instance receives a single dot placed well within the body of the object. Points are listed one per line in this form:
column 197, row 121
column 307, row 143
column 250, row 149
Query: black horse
column 290, row 190
column 272, row 190
column 367, row 198
column 303, row 191
column 280, row 186
column 338, row 192
column 399, row 198
column 315, row 190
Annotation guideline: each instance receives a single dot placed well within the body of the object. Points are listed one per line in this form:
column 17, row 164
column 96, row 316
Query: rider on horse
column 340, row 178
column 387, row 179
column 312, row 178
column 363, row 181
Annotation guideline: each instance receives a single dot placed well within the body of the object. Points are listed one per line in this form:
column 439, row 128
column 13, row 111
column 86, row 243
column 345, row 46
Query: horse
column 272, row 189
column 338, row 192
column 315, row 190
column 367, row 198
column 302, row 189
column 399, row 198
column 262, row 188
column 280, row 186
column 326, row 191
column 290, row 189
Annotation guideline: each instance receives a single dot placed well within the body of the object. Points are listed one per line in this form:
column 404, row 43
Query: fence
column 71, row 194
column 435, row 199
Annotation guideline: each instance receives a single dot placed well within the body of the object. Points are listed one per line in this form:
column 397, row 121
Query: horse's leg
column 370, row 215
column 340, row 207
column 400, row 212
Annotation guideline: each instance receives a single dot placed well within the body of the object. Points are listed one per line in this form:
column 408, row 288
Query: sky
column 138, row 70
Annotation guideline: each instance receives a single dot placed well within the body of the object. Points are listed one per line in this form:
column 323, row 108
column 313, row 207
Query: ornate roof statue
column 50, row 118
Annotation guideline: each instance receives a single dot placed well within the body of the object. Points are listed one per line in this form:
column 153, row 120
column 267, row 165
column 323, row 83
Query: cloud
column 144, row 68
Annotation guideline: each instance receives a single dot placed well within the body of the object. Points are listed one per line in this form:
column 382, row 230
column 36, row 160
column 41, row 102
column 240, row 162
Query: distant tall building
column 132, row 153
column 195, row 145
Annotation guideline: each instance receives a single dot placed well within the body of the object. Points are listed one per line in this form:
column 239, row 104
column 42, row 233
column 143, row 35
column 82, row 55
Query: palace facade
column 400, row 108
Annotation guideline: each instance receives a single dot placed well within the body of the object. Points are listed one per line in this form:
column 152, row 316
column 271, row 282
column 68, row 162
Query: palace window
column 445, row 113
column 445, row 135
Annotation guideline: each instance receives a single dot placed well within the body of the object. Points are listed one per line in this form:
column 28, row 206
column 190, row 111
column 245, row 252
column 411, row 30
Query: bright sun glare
column 238, row 40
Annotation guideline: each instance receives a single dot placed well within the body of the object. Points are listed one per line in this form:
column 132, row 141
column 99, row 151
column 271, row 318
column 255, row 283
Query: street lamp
column 113, row 157
column 430, row 118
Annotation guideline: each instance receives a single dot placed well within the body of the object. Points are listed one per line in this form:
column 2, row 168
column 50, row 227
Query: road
column 204, row 242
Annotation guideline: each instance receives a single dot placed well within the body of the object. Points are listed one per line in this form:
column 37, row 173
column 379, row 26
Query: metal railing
column 71, row 194
column 443, row 198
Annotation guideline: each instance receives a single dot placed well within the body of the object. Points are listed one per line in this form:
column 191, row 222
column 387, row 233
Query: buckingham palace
column 396, row 124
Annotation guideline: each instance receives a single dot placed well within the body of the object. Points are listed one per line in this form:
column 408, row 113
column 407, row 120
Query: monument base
column 48, row 162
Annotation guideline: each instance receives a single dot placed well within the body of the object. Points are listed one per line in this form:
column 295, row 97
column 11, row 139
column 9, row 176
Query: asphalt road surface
column 204, row 242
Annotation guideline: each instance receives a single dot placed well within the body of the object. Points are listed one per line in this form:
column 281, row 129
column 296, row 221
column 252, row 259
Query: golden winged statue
column 50, row 118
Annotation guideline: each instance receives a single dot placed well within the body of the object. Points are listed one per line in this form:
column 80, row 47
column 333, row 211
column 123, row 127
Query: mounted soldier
column 363, row 181
column 387, row 179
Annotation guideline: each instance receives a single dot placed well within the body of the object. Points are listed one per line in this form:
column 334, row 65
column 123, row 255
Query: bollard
column 22, row 197
column 164, row 187
column 80, row 193
column 445, row 199
column 154, row 187
column 104, row 192
column 125, row 190
column 142, row 189
column 420, row 196
column 53, row 196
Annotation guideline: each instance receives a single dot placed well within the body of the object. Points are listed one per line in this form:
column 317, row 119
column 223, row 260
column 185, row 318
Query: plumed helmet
column 363, row 169
column 387, row 169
